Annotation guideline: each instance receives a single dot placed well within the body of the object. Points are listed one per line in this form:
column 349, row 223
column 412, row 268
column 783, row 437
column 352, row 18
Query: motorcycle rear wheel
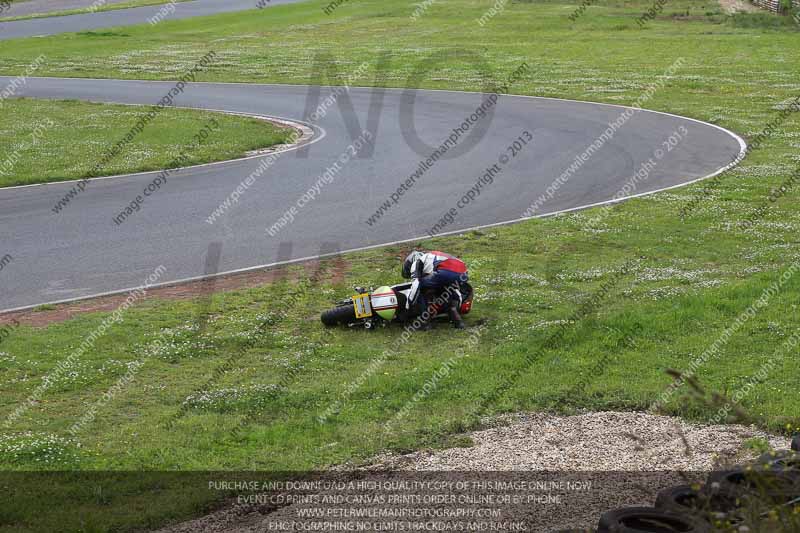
column 343, row 314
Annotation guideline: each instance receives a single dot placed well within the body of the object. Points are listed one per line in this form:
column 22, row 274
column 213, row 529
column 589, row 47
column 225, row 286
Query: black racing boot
column 455, row 317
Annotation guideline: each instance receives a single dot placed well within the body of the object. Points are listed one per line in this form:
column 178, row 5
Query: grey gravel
column 602, row 441
column 628, row 456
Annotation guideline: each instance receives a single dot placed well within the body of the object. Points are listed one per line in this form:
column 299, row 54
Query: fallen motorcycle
column 385, row 305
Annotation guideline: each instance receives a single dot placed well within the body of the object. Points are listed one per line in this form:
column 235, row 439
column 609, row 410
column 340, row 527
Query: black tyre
column 788, row 461
column 466, row 291
column 730, row 489
column 343, row 314
column 682, row 498
column 649, row 520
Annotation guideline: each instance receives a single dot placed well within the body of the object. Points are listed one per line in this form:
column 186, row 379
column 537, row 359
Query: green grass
column 47, row 140
column 106, row 7
column 693, row 277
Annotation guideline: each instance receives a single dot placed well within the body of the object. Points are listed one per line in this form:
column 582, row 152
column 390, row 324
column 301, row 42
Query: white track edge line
column 736, row 161
column 584, row 102
column 381, row 245
column 304, row 141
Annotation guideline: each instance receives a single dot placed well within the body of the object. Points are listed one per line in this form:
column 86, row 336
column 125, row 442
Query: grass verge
column 245, row 388
column 47, row 140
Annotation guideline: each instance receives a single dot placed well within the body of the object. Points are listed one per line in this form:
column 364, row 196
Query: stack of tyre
column 763, row 496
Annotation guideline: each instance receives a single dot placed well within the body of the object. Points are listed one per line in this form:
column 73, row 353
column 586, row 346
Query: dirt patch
column 737, row 6
column 632, row 455
column 184, row 291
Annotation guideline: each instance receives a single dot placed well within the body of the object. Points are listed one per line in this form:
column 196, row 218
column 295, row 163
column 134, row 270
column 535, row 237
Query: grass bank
column 47, row 140
column 582, row 311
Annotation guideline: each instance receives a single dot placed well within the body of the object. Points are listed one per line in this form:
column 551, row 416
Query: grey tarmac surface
column 41, row 7
column 109, row 19
column 80, row 251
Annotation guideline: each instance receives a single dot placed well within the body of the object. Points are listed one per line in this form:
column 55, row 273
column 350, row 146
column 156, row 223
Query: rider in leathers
column 436, row 275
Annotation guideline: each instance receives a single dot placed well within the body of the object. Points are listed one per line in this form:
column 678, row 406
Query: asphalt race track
column 120, row 17
column 80, row 251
